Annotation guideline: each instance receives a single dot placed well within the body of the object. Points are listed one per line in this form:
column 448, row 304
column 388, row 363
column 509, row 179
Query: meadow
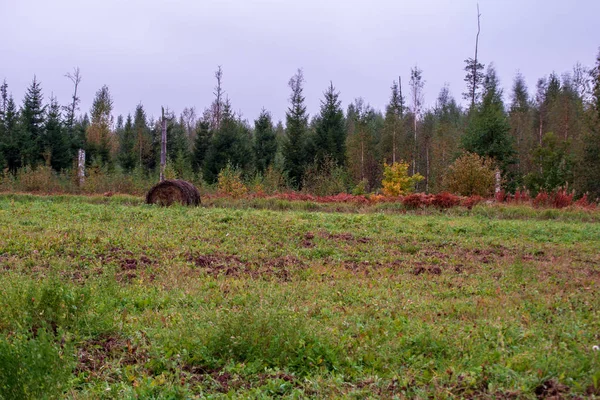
column 105, row 297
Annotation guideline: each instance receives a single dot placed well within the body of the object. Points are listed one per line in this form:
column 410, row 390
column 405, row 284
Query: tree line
column 544, row 140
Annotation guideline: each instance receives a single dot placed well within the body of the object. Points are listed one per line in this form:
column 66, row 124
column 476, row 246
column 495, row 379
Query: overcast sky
column 166, row 52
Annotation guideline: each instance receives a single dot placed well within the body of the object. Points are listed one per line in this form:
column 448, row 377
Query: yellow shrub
column 396, row 180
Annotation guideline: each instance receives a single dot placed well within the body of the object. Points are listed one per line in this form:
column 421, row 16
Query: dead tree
column 163, row 146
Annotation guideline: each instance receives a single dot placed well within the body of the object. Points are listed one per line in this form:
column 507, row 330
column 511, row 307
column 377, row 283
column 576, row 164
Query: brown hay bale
column 168, row 192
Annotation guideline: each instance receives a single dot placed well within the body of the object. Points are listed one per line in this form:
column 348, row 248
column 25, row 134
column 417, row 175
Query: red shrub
column 562, row 199
column 445, row 200
column 501, row 196
column 471, row 201
column 542, row 199
column 414, row 201
column 521, row 196
column 584, row 202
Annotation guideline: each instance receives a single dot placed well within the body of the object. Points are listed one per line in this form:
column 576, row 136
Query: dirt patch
column 95, row 355
column 344, row 237
column 427, row 269
column 551, row 389
column 280, row 268
column 307, row 241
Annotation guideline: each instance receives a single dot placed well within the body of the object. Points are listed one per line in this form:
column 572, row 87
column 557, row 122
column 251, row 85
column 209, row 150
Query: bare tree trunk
column 427, row 171
column 498, row 181
column 362, row 160
column 475, row 61
column 218, row 100
column 414, row 166
column 81, row 166
column 163, row 146
column 75, row 77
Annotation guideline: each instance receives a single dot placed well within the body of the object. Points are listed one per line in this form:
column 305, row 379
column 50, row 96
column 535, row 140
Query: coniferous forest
column 541, row 139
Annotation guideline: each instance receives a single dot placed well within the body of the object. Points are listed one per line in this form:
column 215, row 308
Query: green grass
column 110, row 298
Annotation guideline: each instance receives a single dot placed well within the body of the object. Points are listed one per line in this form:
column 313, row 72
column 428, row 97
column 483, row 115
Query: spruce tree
column 265, row 142
column 230, row 144
column 12, row 143
column 488, row 132
column 126, row 146
column 294, row 149
column 330, row 132
column 33, row 114
column 146, row 148
column 201, row 144
column 55, row 142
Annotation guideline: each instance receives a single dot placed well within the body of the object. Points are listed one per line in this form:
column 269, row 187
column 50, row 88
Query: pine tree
column 488, row 132
column 265, row 142
column 127, row 158
column 33, row 114
column 294, row 149
column 55, row 142
column 330, row 132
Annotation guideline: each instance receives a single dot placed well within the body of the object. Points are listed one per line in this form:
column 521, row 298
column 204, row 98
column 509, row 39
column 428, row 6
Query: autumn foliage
column 396, row 181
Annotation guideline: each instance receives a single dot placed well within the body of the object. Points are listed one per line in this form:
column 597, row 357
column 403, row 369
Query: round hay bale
column 168, row 192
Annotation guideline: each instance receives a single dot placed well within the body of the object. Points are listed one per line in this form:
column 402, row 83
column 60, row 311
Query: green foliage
column 230, row 144
column 126, row 146
column 230, row 182
column 33, row 367
column 295, row 146
column 31, row 127
column 201, row 145
column 265, row 142
column 553, row 166
column 488, row 130
column 471, row 175
column 98, row 134
column 396, row 181
column 330, row 134
column 55, row 142
column 267, row 338
column 325, row 178
column 49, row 306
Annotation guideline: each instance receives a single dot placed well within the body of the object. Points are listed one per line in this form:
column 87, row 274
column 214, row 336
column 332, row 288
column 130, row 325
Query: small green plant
column 230, row 183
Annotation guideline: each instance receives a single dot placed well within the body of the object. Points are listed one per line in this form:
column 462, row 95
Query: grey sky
column 165, row 52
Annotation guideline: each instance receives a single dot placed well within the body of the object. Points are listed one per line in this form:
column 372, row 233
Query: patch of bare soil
column 344, row 237
column 95, row 355
column 552, row 390
column 280, row 268
column 131, row 268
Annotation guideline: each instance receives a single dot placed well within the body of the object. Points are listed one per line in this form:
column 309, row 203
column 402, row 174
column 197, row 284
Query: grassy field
column 109, row 298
